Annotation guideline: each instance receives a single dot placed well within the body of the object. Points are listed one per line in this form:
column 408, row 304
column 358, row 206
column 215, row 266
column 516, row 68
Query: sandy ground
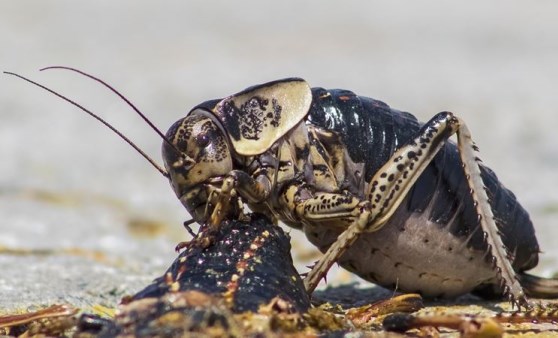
column 84, row 219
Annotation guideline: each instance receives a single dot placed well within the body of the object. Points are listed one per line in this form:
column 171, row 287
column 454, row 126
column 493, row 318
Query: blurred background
column 85, row 219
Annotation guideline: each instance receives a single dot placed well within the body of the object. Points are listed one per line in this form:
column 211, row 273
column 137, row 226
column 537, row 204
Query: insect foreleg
column 241, row 183
column 386, row 190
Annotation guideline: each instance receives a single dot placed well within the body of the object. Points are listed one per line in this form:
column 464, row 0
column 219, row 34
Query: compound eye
column 202, row 140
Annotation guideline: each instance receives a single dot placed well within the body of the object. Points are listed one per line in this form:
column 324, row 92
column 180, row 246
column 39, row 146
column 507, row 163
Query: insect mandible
column 387, row 197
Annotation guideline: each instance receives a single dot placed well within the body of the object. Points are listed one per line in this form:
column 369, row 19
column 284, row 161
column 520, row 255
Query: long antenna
column 121, row 96
column 149, row 159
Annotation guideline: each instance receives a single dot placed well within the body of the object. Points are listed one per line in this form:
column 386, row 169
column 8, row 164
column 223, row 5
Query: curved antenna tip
column 59, row 67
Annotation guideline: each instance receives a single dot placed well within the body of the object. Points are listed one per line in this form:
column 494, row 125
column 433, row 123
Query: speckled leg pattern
column 389, row 187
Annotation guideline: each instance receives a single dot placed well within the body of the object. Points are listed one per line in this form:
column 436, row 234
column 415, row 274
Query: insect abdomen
column 372, row 131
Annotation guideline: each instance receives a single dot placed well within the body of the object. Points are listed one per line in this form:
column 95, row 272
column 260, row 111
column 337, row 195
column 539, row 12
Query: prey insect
column 387, row 197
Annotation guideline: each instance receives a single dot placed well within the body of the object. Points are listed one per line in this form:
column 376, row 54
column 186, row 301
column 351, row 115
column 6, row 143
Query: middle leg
column 386, row 190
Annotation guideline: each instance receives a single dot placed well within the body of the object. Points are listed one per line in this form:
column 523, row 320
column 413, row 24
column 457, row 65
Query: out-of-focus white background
column 84, row 217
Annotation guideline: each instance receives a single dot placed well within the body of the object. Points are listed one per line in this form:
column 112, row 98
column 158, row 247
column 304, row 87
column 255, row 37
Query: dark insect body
column 387, row 197
column 348, row 156
column 432, row 244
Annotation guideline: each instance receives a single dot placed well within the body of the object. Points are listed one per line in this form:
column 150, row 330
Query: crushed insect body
column 234, row 287
column 389, row 198
column 248, row 265
column 254, row 292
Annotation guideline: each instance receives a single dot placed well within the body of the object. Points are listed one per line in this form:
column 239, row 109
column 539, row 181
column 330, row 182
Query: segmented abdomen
column 372, row 131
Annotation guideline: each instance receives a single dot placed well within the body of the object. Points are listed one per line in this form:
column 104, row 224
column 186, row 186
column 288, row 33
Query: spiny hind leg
column 500, row 257
column 392, row 182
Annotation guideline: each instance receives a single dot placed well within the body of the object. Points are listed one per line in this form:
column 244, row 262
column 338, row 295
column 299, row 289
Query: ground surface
column 84, row 219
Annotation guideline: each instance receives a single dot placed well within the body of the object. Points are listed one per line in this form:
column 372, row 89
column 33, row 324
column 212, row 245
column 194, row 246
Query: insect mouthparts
column 184, row 162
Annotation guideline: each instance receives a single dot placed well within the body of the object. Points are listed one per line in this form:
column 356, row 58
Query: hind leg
column 390, row 185
column 499, row 255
